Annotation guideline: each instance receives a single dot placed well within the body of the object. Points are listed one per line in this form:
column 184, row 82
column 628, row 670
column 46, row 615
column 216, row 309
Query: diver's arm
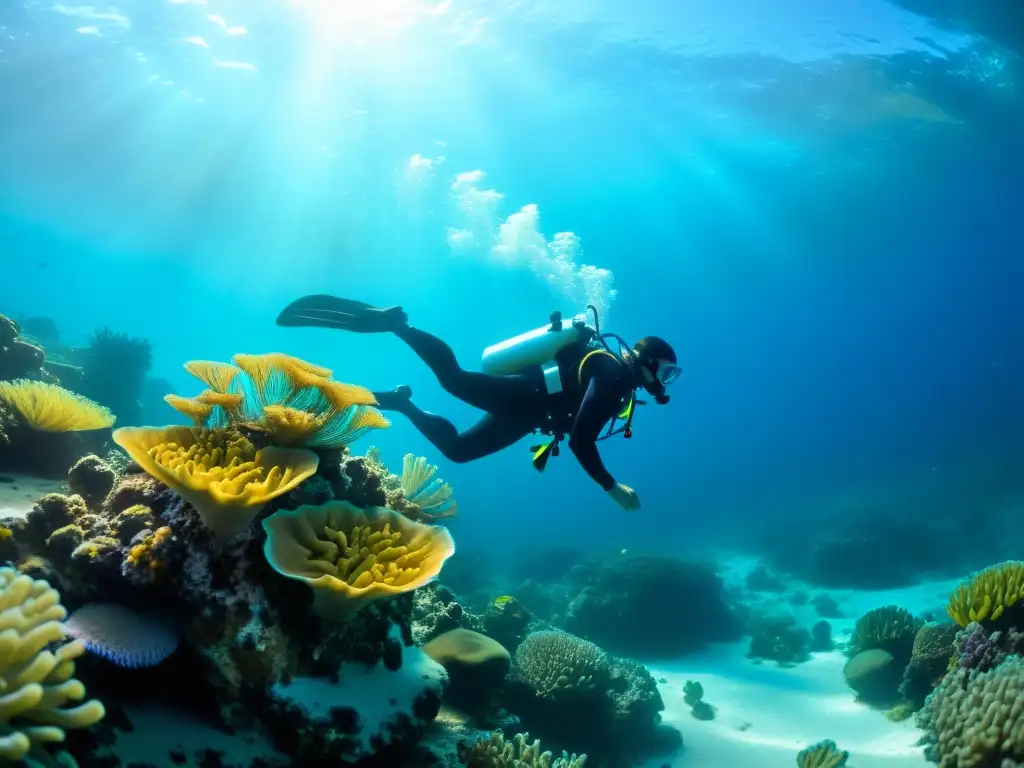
column 601, row 402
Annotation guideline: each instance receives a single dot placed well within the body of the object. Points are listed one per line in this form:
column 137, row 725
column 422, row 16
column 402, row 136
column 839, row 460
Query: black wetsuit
column 518, row 404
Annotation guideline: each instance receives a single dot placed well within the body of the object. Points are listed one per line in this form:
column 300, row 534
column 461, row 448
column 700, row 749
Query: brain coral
column 555, row 663
column 977, row 719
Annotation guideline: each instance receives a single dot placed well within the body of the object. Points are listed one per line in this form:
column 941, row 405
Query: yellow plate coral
column 350, row 556
column 219, row 472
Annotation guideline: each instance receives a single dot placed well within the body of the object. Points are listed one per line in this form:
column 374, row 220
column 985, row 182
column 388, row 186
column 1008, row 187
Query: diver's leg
column 494, row 394
column 487, row 436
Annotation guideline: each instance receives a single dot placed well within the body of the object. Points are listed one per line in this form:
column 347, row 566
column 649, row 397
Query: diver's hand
column 625, row 497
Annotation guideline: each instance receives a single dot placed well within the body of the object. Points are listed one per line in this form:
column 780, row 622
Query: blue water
column 817, row 204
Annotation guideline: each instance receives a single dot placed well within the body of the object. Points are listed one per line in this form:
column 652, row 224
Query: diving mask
column 668, row 373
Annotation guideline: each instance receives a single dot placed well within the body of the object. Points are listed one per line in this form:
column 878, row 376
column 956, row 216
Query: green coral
column 555, row 663
column 497, row 752
column 824, row 754
column 889, row 628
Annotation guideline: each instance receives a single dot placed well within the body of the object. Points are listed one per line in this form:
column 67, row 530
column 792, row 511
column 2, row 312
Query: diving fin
column 322, row 311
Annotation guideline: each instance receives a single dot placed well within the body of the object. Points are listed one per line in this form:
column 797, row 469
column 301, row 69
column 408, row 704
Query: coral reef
column 91, row 478
column 627, row 605
column 114, row 367
column 351, row 556
column 779, row 638
column 889, row 628
column 875, row 675
column 220, row 473
column 693, row 695
column 476, row 666
column 992, row 596
column 498, row 752
column 19, row 358
column 558, row 665
column 287, row 401
column 38, row 684
column 975, row 719
column 821, row 637
column 436, row 611
column 571, row 691
column 824, row 754
column 934, row 647
column 45, row 428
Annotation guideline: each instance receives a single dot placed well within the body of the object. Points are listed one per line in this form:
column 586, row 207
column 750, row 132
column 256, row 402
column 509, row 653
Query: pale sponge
column 36, row 683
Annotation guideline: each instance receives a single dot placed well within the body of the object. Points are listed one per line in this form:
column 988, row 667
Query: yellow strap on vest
column 586, row 357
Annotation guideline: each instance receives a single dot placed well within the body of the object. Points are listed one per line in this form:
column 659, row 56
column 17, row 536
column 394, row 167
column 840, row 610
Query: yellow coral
column 142, row 553
column 219, row 472
column 217, row 376
column 824, row 754
column 37, row 682
column 49, row 408
column 192, row 407
column 987, row 594
column 351, row 556
column 430, row 497
column 499, row 752
column 229, row 401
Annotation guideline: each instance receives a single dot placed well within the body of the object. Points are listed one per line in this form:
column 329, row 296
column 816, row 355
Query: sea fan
column 123, row 637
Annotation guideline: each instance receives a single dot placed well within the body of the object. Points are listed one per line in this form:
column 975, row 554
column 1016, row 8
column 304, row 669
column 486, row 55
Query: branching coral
column 37, row 684
column 350, row 556
column 219, row 472
column 292, row 402
column 556, row 664
column 824, row 754
column 497, row 752
column 49, row 408
column 988, row 594
column 977, row 719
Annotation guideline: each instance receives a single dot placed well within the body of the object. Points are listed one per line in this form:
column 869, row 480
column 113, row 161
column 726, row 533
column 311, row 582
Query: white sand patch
column 18, row 493
column 766, row 714
column 160, row 731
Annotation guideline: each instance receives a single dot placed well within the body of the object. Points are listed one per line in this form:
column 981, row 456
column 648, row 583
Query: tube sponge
column 219, row 472
column 350, row 556
column 35, row 683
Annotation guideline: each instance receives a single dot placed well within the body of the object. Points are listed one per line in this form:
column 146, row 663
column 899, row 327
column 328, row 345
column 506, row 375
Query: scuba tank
column 538, row 347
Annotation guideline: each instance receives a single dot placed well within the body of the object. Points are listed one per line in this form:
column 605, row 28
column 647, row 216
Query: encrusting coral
column 49, row 408
column 219, row 472
column 824, row 754
column 37, row 683
column 351, row 556
column 987, row 595
column 499, row 752
column 287, row 400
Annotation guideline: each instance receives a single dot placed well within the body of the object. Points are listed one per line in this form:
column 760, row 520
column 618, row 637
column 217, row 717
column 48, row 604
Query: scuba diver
column 561, row 380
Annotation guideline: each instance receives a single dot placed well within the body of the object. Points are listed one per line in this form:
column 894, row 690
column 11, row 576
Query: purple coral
column 122, row 636
column 981, row 651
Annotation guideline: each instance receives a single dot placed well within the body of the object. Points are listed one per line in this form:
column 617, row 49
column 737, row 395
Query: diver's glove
column 625, row 497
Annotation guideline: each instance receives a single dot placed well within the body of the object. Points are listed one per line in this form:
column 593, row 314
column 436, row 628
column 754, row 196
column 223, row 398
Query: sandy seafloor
column 766, row 713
